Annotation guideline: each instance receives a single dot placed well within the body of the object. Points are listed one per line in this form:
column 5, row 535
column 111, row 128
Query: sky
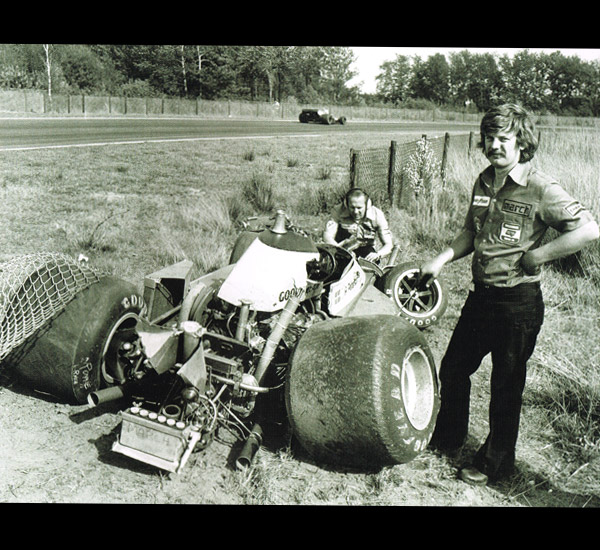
column 370, row 58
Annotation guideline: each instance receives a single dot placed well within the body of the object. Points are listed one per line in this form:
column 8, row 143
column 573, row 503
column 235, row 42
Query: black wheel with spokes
column 421, row 302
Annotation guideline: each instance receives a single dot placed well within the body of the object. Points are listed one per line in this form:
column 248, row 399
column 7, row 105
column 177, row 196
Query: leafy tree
column 525, row 80
column 431, row 79
column 567, row 78
column 591, row 88
column 474, row 78
column 393, row 83
column 85, row 71
column 336, row 71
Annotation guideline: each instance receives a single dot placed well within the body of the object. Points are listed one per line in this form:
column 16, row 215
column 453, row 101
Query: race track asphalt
column 51, row 132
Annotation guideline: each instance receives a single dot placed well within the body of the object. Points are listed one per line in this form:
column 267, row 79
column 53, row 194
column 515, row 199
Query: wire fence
column 383, row 172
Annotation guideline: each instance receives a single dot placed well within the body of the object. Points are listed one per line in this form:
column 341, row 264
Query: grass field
column 133, row 209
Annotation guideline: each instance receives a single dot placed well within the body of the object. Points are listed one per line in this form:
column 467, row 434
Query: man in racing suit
column 355, row 225
column 512, row 205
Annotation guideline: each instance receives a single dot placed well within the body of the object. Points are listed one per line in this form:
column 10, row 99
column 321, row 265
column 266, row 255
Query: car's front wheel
column 420, row 302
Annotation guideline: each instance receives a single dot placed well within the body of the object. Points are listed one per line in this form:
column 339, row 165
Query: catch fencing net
column 33, row 289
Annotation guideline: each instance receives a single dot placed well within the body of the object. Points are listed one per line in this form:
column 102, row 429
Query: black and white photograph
column 300, row 275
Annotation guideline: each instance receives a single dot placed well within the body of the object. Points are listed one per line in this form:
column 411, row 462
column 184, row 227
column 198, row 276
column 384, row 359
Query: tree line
column 257, row 73
column 541, row 82
column 544, row 83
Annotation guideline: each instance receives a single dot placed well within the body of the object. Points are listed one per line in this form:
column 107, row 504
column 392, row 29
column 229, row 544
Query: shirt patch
column 481, row 200
column 574, row 208
column 510, row 232
column 516, row 207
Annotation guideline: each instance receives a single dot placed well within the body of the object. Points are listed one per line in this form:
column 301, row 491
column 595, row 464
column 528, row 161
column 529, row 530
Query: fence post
column 392, row 172
column 470, row 141
column 353, row 168
column 445, row 155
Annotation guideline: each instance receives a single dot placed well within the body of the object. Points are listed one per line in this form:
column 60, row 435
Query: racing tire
column 419, row 304
column 329, row 119
column 362, row 392
column 342, row 120
column 244, row 240
column 66, row 357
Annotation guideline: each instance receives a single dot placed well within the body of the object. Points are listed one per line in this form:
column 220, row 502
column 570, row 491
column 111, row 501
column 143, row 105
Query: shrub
column 260, row 192
column 422, row 169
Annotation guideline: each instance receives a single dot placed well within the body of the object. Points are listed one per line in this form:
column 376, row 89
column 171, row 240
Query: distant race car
column 320, row 116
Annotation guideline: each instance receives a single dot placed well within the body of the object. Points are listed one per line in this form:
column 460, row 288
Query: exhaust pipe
column 106, row 395
column 250, row 448
column 113, row 393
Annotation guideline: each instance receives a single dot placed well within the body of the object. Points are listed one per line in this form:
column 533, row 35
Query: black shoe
column 473, row 476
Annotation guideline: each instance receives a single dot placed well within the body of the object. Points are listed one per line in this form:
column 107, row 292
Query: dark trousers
column 505, row 323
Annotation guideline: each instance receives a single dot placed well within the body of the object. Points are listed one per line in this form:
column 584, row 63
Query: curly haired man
column 512, row 205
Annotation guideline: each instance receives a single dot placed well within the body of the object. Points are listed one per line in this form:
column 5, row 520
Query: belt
column 503, row 290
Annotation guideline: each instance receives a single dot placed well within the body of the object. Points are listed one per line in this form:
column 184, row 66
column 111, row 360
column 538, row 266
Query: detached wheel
column 77, row 352
column 362, row 391
column 420, row 303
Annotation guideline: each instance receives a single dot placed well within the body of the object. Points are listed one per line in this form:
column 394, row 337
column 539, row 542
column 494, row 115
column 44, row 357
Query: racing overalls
column 343, row 226
column 504, row 309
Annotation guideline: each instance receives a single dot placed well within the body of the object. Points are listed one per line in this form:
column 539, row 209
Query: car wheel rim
column 418, row 388
column 113, row 360
column 412, row 299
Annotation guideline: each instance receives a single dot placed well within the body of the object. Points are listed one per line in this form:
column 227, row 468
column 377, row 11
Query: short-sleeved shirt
column 366, row 230
column 514, row 220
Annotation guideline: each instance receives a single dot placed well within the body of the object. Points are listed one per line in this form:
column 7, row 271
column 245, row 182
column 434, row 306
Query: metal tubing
column 242, row 386
column 105, row 395
column 276, row 334
column 243, row 320
column 192, row 331
column 250, row 448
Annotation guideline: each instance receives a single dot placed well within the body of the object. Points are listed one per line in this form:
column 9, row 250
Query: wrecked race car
column 288, row 332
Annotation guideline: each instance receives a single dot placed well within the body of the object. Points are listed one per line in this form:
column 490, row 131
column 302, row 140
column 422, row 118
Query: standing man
column 355, row 225
column 512, row 205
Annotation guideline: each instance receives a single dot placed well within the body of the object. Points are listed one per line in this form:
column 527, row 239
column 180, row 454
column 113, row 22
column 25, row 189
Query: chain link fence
column 383, row 172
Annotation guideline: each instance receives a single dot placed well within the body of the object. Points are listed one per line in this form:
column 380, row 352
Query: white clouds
column 369, row 59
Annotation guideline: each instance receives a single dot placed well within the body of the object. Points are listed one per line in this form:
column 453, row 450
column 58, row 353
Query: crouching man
column 356, row 224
